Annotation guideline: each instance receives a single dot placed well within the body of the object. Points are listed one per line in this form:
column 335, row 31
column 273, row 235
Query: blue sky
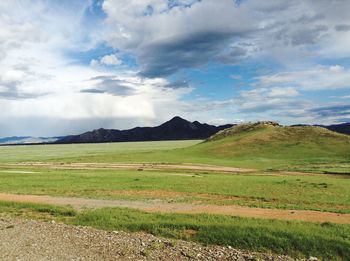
column 72, row 66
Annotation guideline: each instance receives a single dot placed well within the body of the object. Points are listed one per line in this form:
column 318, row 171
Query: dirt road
column 132, row 166
column 154, row 166
column 163, row 207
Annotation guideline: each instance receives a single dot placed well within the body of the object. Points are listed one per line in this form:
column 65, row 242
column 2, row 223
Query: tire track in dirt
column 162, row 207
column 133, row 166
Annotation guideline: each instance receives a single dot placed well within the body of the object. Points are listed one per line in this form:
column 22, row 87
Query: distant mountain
column 340, row 128
column 175, row 129
column 343, row 128
column 12, row 139
column 28, row 140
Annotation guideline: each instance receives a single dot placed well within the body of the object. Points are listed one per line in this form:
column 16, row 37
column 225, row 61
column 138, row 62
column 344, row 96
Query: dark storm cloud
column 178, row 84
column 342, row 120
column 92, row 91
column 301, row 36
column 108, row 84
column 163, row 59
column 342, row 27
column 310, row 18
column 235, row 55
column 101, row 77
column 331, row 111
column 10, row 91
column 11, row 95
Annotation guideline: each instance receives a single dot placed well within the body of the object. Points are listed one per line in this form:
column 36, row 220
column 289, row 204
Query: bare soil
column 156, row 166
column 165, row 207
column 135, row 166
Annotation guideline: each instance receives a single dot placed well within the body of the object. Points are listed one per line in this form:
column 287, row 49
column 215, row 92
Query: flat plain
column 260, row 188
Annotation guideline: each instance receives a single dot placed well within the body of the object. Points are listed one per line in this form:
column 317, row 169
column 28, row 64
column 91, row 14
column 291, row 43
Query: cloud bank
column 68, row 66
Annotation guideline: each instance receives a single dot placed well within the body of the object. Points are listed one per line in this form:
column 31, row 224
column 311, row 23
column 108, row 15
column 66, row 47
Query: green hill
column 268, row 145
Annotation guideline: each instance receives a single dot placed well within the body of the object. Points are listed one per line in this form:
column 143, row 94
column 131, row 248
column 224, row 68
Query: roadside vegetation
column 297, row 239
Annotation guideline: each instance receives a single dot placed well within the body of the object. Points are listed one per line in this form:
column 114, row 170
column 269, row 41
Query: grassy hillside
column 268, row 145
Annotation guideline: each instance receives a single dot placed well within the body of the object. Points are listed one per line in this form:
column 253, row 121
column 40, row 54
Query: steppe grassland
column 266, row 187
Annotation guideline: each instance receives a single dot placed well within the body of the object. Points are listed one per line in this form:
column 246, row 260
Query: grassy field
column 272, row 151
column 298, row 239
column 264, row 147
column 104, row 152
column 325, row 193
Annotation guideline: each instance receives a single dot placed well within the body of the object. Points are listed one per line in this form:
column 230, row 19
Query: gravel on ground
column 37, row 240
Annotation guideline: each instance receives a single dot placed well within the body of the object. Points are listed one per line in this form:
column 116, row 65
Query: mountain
column 343, row 128
column 340, row 128
column 174, row 129
column 27, row 140
column 13, row 139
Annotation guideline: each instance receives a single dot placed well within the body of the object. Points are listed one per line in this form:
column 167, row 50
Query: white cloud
column 291, row 32
column 169, row 39
column 40, row 82
column 318, row 78
column 111, row 59
column 282, row 92
column 94, row 63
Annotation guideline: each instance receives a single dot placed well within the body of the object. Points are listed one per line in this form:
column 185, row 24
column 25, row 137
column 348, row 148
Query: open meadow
column 253, row 189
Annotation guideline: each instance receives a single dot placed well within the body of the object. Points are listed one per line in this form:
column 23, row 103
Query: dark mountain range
column 175, row 129
column 341, row 128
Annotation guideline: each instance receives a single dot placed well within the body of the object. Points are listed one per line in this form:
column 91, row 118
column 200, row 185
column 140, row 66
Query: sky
column 67, row 67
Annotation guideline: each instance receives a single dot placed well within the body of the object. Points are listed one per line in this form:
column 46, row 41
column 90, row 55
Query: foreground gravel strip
column 35, row 240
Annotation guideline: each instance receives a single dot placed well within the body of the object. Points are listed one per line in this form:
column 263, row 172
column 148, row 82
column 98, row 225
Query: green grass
column 261, row 147
column 105, row 152
column 270, row 147
column 325, row 240
column 36, row 211
column 297, row 239
column 325, row 193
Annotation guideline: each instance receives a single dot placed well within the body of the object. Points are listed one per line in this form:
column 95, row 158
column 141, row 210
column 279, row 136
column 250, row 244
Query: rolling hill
column 267, row 145
column 271, row 139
